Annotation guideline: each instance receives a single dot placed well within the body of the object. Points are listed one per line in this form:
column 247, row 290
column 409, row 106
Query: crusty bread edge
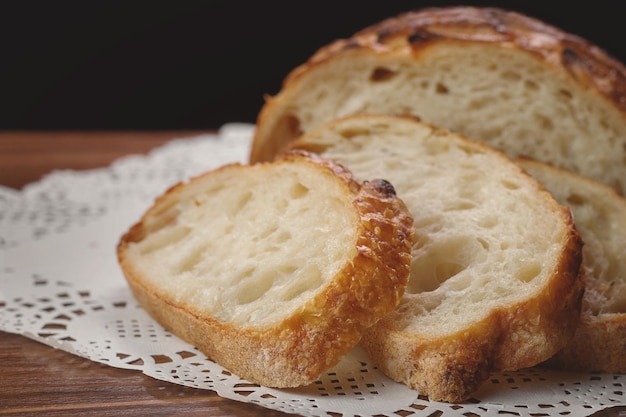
column 323, row 330
column 574, row 57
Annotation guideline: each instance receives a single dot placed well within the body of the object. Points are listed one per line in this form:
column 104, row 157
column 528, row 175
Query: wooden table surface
column 38, row 380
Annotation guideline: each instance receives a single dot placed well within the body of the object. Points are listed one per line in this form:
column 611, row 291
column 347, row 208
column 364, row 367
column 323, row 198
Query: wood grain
column 27, row 156
column 39, row 380
column 36, row 379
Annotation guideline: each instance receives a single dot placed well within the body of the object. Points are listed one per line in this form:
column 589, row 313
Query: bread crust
column 406, row 36
column 586, row 63
column 298, row 349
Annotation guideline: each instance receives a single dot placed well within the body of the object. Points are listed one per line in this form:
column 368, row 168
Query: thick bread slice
column 600, row 216
column 493, row 75
column 495, row 271
column 275, row 270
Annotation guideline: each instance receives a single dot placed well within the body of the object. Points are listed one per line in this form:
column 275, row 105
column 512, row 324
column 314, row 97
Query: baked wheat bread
column 599, row 343
column 275, row 270
column 494, row 279
column 493, row 75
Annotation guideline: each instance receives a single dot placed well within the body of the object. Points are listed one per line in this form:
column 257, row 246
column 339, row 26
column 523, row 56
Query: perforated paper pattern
column 60, row 284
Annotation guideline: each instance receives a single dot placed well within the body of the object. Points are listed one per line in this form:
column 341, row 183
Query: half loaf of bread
column 494, row 279
column 497, row 76
column 274, row 270
column 600, row 217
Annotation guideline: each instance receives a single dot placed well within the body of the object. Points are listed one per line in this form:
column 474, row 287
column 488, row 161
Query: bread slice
column 600, row 216
column 494, row 279
column 274, row 271
column 493, row 75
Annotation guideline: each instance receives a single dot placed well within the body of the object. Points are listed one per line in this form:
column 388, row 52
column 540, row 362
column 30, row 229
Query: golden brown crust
column 410, row 33
column 298, row 349
column 448, row 369
column 587, row 63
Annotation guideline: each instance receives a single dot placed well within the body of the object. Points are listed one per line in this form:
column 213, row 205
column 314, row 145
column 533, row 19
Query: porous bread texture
column 493, row 75
column 274, row 270
column 494, row 279
column 599, row 343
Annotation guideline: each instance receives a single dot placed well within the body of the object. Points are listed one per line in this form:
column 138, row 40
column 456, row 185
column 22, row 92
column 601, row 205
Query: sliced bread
column 494, row 279
column 493, row 75
column 274, row 270
column 600, row 217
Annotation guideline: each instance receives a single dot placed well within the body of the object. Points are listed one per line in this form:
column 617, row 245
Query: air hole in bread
column 459, row 205
column 264, row 234
column 531, row 85
column 310, row 278
column 382, row 74
column 543, row 121
column 441, row 88
column 511, row 76
column 161, row 220
column 298, row 190
column 479, row 103
column 241, row 202
column 446, row 270
column 192, row 258
column 529, row 272
column 446, row 259
column 564, row 94
column 352, row 132
column 576, row 199
column 166, row 207
column 488, row 221
column 243, row 274
column 511, row 185
column 254, row 287
column 166, row 237
column 282, row 237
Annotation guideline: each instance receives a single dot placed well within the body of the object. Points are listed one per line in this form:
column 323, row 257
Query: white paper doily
column 60, row 284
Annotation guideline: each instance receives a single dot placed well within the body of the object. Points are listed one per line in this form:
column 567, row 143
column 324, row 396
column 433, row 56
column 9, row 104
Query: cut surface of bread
column 275, row 270
column 600, row 217
column 494, row 279
column 493, row 75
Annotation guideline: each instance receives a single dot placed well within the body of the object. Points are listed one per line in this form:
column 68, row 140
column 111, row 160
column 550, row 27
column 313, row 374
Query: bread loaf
column 599, row 343
column 509, row 80
column 275, row 270
column 494, row 279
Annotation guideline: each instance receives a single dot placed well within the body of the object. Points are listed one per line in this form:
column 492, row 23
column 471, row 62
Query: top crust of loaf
column 541, row 92
column 588, row 64
column 274, row 270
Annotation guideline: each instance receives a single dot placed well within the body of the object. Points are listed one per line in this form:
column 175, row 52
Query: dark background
column 197, row 65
